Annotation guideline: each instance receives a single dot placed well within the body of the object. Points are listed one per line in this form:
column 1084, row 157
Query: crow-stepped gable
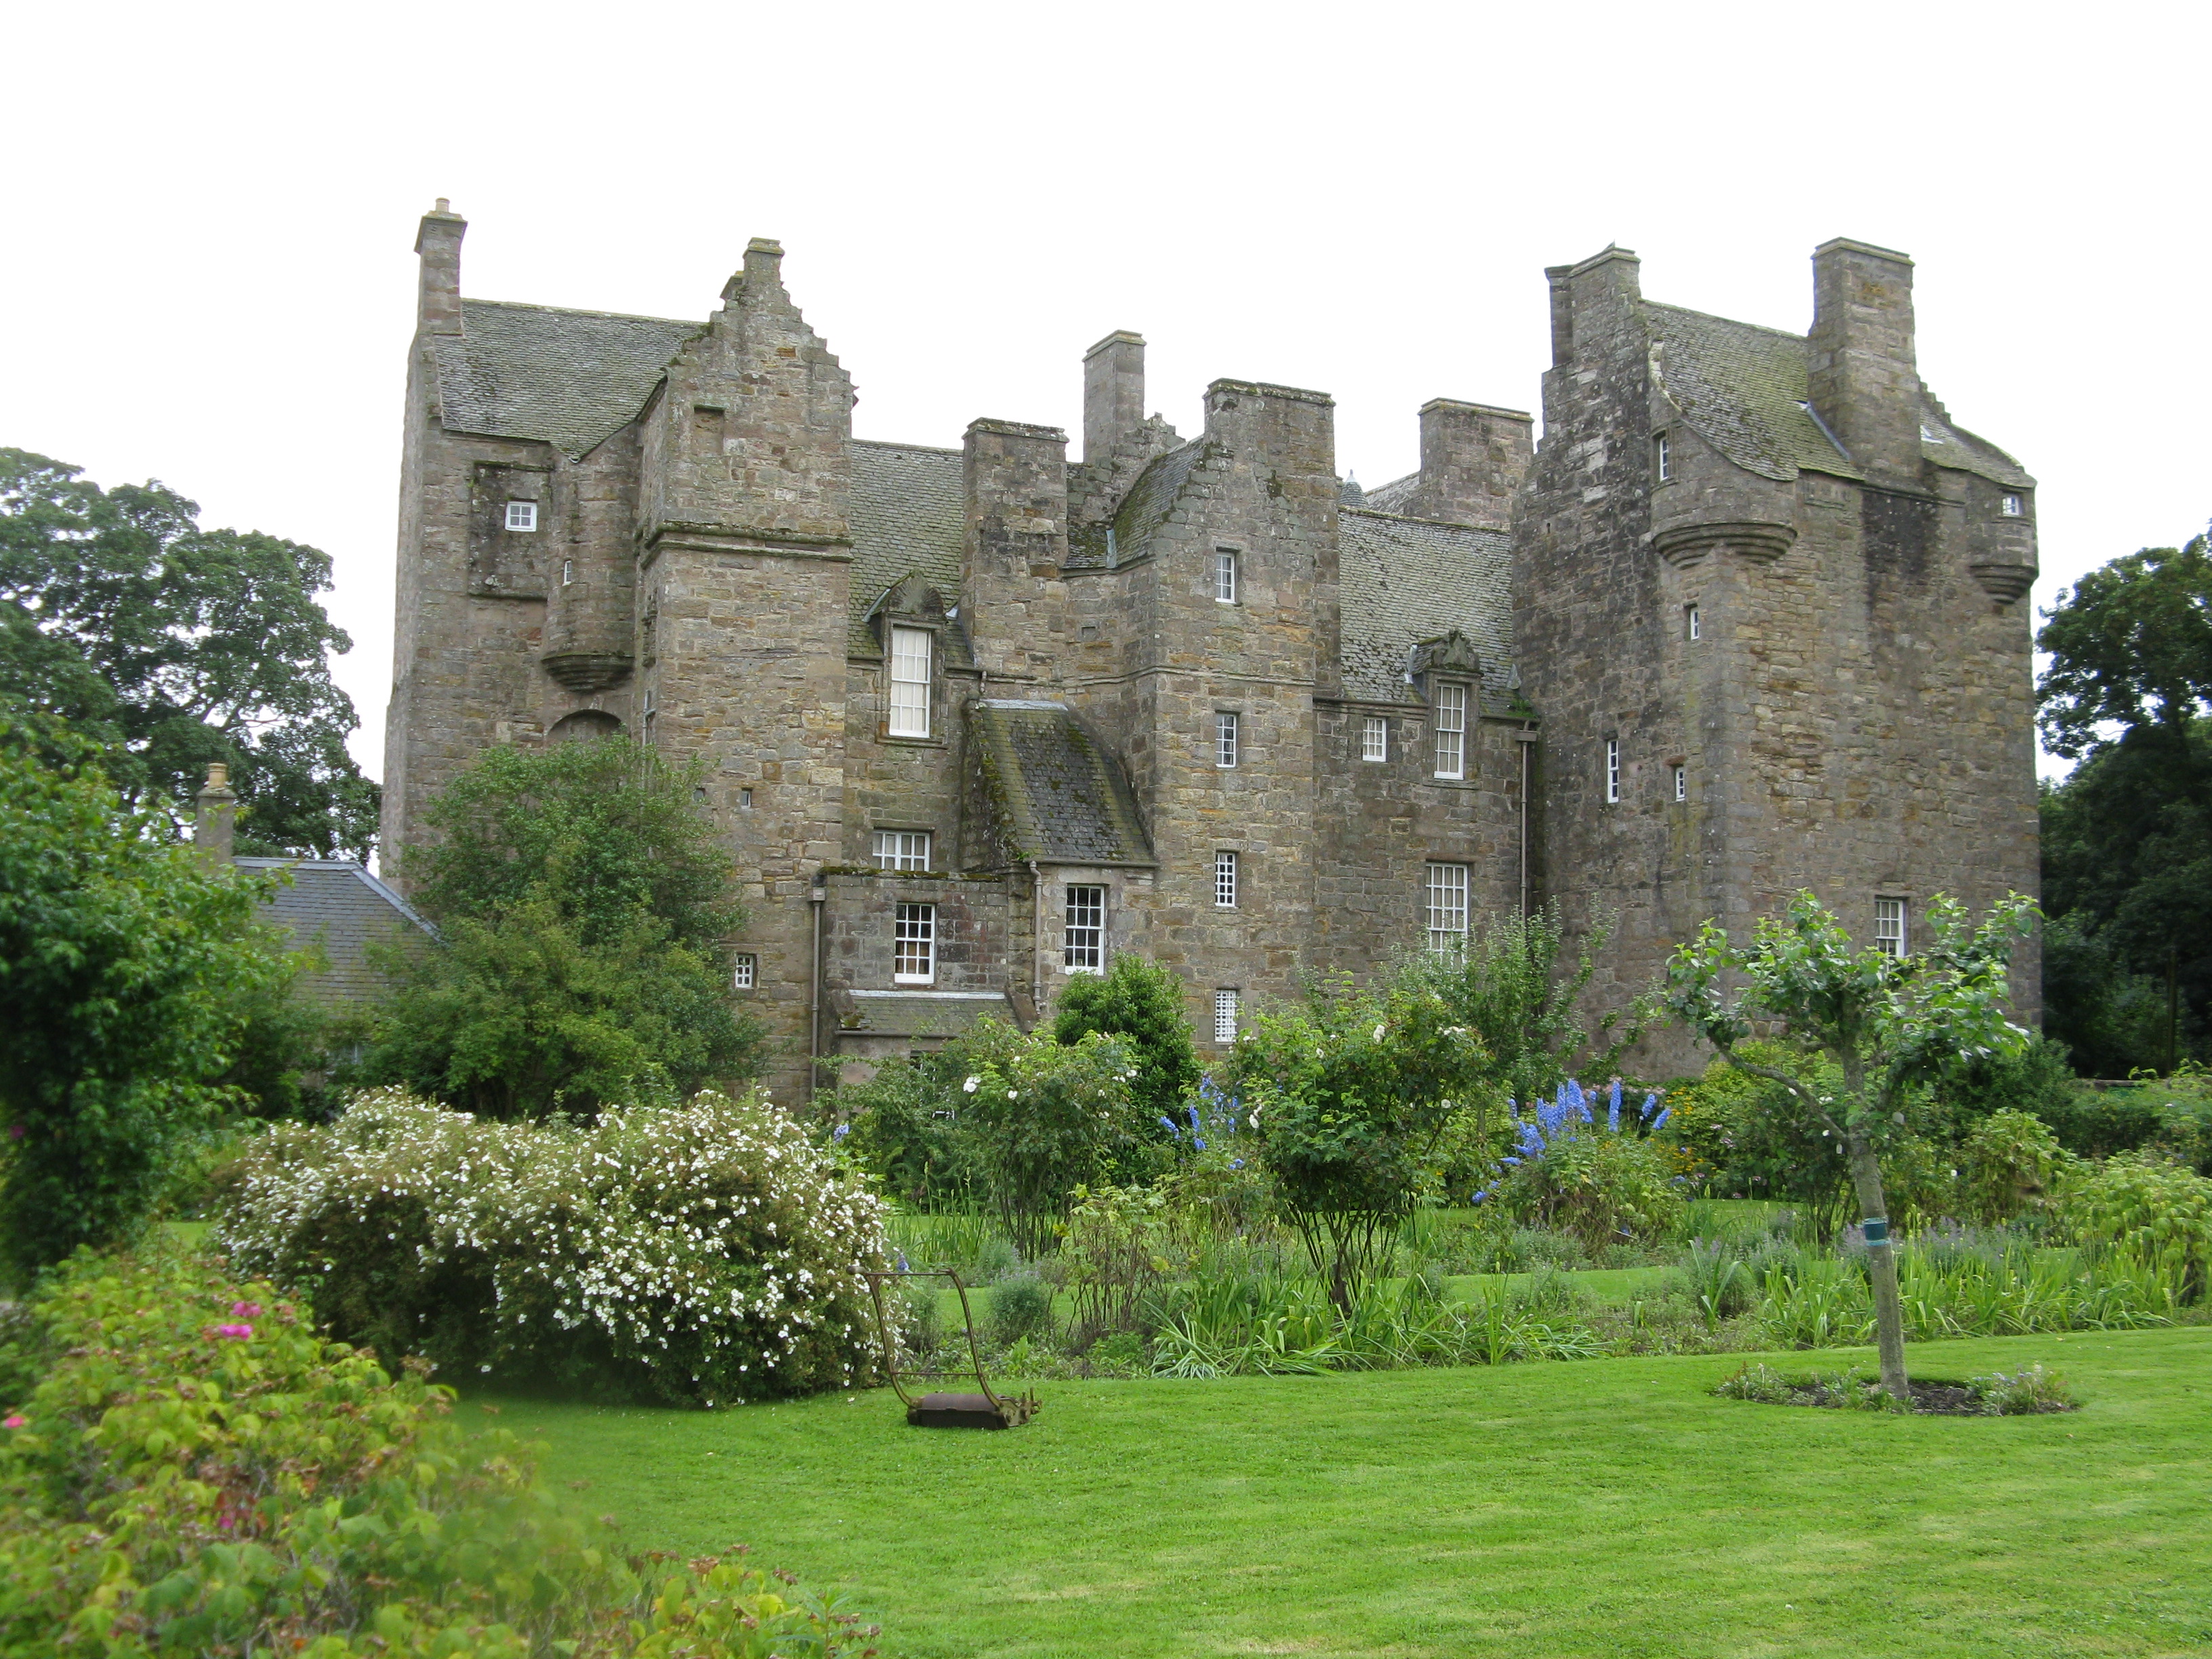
column 1749, row 619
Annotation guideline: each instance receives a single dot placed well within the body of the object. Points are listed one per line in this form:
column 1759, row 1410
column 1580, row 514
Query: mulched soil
column 1930, row 1399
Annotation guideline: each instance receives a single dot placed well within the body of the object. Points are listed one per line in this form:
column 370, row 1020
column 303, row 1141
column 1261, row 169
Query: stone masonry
column 976, row 720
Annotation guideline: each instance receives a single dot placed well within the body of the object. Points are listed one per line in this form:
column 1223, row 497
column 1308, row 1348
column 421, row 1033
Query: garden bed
column 2032, row 1392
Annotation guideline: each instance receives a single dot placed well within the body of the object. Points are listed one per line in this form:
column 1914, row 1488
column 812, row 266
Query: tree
column 1142, row 1001
column 583, row 902
column 1889, row 1024
column 177, row 646
column 2127, row 839
column 126, row 967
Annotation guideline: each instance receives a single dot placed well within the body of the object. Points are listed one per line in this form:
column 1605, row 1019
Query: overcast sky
column 210, row 278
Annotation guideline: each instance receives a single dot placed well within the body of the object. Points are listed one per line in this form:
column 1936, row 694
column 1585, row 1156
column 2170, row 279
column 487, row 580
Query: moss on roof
column 1405, row 580
column 571, row 378
column 1744, row 387
column 909, row 517
column 1049, row 788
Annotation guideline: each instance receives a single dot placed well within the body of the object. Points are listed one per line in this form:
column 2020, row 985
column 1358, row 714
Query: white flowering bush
column 706, row 1254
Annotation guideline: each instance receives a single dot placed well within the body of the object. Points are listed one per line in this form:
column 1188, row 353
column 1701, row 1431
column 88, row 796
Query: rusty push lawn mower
column 985, row 1410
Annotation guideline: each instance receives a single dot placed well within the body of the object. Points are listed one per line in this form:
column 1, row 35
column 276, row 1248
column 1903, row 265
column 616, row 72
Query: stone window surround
column 1447, row 890
column 1228, row 573
column 1083, row 928
column 1227, row 878
column 898, row 842
column 1448, row 729
column 521, row 516
column 1662, row 458
column 1893, row 922
column 1613, row 770
column 914, row 947
column 1228, row 738
column 1375, row 737
column 744, row 971
column 1228, row 1014
column 894, row 660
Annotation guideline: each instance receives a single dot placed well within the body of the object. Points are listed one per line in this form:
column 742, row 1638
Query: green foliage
column 2008, row 1163
column 904, row 1125
column 1508, row 986
column 2142, row 1207
column 1120, row 1241
column 127, row 968
column 698, row 1254
column 1756, row 1380
column 1142, row 1002
column 1349, row 1095
column 175, row 645
column 608, row 829
column 524, row 1015
column 195, row 1471
column 2022, row 1394
column 1596, row 1185
column 1020, row 1309
column 2130, row 645
column 2112, row 1019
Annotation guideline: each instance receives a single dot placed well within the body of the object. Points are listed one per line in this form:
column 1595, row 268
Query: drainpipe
column 1036, row 939
column 816, row 897
column 1527, row 738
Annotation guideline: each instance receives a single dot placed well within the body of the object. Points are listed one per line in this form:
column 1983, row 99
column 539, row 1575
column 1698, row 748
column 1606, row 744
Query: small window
column 1225, row 575
column 1681, row 783
column 1447, row 897
column 568, row 571
column 522, row 515
column 902, row 849
column 1375, row 738
column 1451, row 731
column 1889, row 926
column 1690, row 625
column 2011, row 506
column 1225, row 881
column 914, row 945
column 1612, row 770
column 1227, row 1006
column 745, row 800
column 909, row 682
column 1662, row 456
column 1084, row 948
column 744, row 971
column 1224, row 739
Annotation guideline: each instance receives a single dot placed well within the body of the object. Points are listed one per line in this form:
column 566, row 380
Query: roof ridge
column 1413, row 517
column 1733, row 322
column 574, row 311
column 892, row 443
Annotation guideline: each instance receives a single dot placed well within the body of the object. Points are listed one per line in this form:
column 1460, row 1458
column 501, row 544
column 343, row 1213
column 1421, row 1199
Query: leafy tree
column 1350, row 1093
column 2127, row 839
column 582, row 900
column 1891, row 1024
column 610, row 829
column 1142, row 1001
column 177, row 646
column 126, row 966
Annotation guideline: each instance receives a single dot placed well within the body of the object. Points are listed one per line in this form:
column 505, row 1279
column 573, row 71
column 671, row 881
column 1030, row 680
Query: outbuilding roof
column 336, row 910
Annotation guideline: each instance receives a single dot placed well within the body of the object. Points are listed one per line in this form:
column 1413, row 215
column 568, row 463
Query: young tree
column 1889, row 1023
column 126, row 968
column 177, row 646
column 1142, row 1001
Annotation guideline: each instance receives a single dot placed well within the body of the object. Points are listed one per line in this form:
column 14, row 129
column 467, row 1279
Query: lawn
column 1607, row 1507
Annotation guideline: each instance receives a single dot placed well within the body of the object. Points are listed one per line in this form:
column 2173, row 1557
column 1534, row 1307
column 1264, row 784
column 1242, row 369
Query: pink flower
column 236, row 1333
column 17, row 1421
column 245, row 1310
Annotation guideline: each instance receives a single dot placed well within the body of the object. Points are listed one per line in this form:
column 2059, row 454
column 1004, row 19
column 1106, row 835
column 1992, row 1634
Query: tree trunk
column 1881, row 1266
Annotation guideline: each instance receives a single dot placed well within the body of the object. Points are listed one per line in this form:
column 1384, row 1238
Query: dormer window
column 522, row 515
column 909, row 669
column 1450, row 726
column 1662, row 456
column 2011, row 506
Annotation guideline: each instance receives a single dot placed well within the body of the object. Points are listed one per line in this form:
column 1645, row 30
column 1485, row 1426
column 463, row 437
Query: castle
column 973, row 720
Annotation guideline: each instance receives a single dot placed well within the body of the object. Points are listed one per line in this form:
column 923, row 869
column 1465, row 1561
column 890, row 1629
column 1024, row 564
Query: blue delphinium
column 1570, row 1105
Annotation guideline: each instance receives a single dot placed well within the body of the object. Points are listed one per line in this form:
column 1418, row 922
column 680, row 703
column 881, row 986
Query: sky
column 209, row 277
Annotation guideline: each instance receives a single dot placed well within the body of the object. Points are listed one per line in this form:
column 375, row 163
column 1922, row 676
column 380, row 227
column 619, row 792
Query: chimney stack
column 1863, row 375
column 1473, row 458
column 216, row 828
column 437, row 303
column 1113, row 393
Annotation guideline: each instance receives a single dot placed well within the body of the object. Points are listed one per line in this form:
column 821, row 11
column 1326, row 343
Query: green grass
column 1609, row 1507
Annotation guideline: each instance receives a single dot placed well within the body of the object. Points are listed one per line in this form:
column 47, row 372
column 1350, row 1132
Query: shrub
column 2008, row 1163
column 2022, row 1393
column 903, row 1126
column 194, row 1471
column 1117, row 1248
column 1600, row 1183
column 1019, row 1308
column 2143, row 1207
column 1142, row 1002
column 700, row 1254
column 1755, row 1380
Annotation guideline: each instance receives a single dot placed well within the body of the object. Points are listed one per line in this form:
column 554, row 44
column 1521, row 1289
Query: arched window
column 584, row 724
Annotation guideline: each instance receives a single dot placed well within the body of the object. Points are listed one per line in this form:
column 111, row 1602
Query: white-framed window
column 1690, row 626
column 2011, row 506
column 1225, row 575
column 1447, row 906
column 522, row 515
column 744, row 971
column 745, row 800
column 909, row 682
column 1451, row 731
column 1225, row 881
column 1612, row 770
column 568, row 571
column 1375, row 738
column 1889, row 926
column 1225, row 737
column 914, row 945
column 1681, row 783
column 902, row 849
column 1662, row 456
column 1083, row 948
column 1228, row 1007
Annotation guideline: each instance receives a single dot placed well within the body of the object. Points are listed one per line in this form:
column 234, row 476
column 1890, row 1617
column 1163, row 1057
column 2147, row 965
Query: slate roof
column 1405, row 580
column 1392, row 496
column 908, row 514
column 917, row 1013
column 1745, row 388
column 1050, row 790
column 335, row 906
column 571, row 378
column 1144, row 511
